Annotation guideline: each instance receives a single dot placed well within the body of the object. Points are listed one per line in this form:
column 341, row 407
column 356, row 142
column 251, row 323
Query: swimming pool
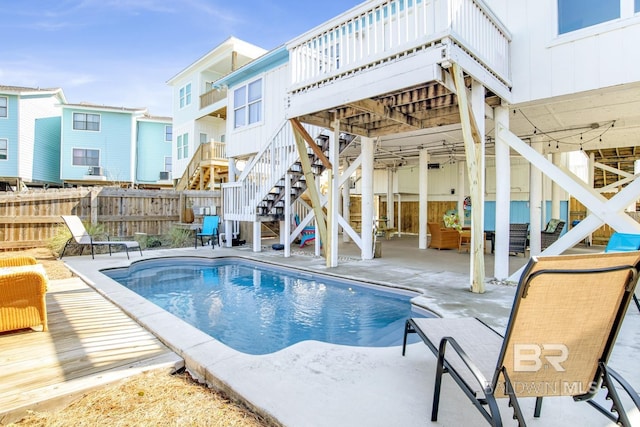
column 257, row 308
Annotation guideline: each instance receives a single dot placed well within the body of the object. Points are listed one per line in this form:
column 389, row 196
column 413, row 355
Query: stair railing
column 263, row 173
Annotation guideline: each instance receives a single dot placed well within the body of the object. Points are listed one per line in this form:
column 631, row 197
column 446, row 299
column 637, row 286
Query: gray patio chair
column 518, row 238
column 566, row 315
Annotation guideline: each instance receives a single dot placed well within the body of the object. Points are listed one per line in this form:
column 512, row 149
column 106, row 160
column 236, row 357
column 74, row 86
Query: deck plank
column 90, row 343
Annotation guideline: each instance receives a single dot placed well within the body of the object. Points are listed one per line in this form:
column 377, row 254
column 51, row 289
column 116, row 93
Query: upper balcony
column 212, row 96
column 391, row 44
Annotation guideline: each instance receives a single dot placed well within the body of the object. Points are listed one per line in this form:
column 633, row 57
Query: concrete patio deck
column 319, row 384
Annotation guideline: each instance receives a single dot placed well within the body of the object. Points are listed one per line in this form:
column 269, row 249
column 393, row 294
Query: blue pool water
column 256, row 308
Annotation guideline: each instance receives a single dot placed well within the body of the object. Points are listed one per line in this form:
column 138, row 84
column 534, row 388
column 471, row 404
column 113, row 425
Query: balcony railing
column 376, row 31
column 212, row 97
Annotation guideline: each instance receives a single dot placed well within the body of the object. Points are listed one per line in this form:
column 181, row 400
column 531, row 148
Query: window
column 204, row 138
column 4, row 149
column 83, row 121
column 185, row 95
column 4, row 105
column 576, row 14
column 168, row 133
column 247, row 104
column 167, row 164
column 637, row 6
column 183, row 146
column 86, row 157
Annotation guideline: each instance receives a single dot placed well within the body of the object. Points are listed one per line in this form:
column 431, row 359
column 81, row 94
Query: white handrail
column 378, row 30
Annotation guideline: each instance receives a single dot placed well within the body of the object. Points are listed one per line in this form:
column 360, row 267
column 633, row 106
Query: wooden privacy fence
column 29, row 219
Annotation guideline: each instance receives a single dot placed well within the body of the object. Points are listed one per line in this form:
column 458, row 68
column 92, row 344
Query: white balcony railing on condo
column 378, row 30
column 242, row 197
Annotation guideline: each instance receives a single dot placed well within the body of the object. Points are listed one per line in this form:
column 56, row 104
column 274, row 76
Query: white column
column 556, row 158
column 257, row 236
column 286, row 232
column 399, row 215
column 461, row 189
column 535, row 204
column 333, row 196
column 389, row 214
column 423, row 191
column 592, row 183
column 366, row 231
column 346, row 208
column 228, row 225
column 503, row 198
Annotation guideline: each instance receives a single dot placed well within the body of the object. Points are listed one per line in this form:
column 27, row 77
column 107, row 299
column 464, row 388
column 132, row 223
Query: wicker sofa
column 443, row 238
column 23, row 285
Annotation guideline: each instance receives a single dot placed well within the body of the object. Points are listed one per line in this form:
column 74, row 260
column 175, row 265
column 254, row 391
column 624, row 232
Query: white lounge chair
column 82, row 237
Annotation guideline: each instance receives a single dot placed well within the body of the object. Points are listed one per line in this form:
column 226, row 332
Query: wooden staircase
column 207, row 167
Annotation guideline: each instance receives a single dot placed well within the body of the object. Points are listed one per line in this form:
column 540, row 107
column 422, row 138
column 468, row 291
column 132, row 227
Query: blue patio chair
column 307, row 235
column 624, row 242
column 209, row 229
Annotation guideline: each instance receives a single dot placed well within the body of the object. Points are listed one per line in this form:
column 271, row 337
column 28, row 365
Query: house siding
column 46, row 153
column 251, row 139
column 9, row 131
column 113, row 140
column 152, row 149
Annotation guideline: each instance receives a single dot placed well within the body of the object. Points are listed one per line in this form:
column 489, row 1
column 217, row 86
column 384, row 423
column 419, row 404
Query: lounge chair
column 443, row 238
column 566, row 314
column 518, row 238
column 551, row 233
column 80, row 236
column 308, row 233
column 23, row 285
column 209, row 229
column 623, row 242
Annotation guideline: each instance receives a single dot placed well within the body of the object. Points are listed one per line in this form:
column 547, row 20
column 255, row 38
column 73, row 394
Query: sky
column 122, row 52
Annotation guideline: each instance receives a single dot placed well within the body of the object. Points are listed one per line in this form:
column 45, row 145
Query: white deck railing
column 242, row 197
column 378, row 30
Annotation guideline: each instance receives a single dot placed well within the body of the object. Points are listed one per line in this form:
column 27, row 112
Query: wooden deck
column 90, row 343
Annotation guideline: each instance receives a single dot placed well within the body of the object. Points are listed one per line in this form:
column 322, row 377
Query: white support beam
column 333, row 197
column 287, row 216
column 366, row 230
column 535, row 204
column 600, row 210
column 503, row 198
column 423, row 197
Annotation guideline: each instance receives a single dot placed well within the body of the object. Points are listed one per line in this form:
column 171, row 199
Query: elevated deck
column 380, row 68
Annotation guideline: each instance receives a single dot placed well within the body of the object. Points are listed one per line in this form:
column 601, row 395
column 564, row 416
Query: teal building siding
column 519, row 213
column 9, row 131
column 113, row 141
column 152, row 150
column 46, row 153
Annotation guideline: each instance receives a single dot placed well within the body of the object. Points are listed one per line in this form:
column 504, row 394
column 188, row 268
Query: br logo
column 529, row 357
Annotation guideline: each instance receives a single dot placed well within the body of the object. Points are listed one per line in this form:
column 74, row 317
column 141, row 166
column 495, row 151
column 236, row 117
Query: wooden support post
column 314, row 194
column 472, row 140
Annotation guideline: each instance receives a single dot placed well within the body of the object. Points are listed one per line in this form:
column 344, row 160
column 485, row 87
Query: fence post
column 94, row 206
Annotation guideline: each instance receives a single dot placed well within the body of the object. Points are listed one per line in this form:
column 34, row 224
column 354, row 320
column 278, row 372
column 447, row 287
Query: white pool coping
column 318, row 384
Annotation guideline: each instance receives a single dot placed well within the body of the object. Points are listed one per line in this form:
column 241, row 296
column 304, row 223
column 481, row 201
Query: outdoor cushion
column 552, row 225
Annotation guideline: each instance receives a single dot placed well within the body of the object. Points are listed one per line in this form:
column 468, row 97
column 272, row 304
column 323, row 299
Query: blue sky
column 122, row 52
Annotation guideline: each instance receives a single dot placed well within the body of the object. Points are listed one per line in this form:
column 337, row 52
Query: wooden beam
column 314, row 194
column 471, row 147
column 300, row 130
column 378, row 108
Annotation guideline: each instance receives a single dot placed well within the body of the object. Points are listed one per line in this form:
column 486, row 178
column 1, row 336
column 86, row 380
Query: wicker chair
column 551, row 233
column 442, row 238
column 518, row 238
column 23, row 286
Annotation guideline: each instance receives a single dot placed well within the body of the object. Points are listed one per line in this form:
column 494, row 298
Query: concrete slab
column 320, row 384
